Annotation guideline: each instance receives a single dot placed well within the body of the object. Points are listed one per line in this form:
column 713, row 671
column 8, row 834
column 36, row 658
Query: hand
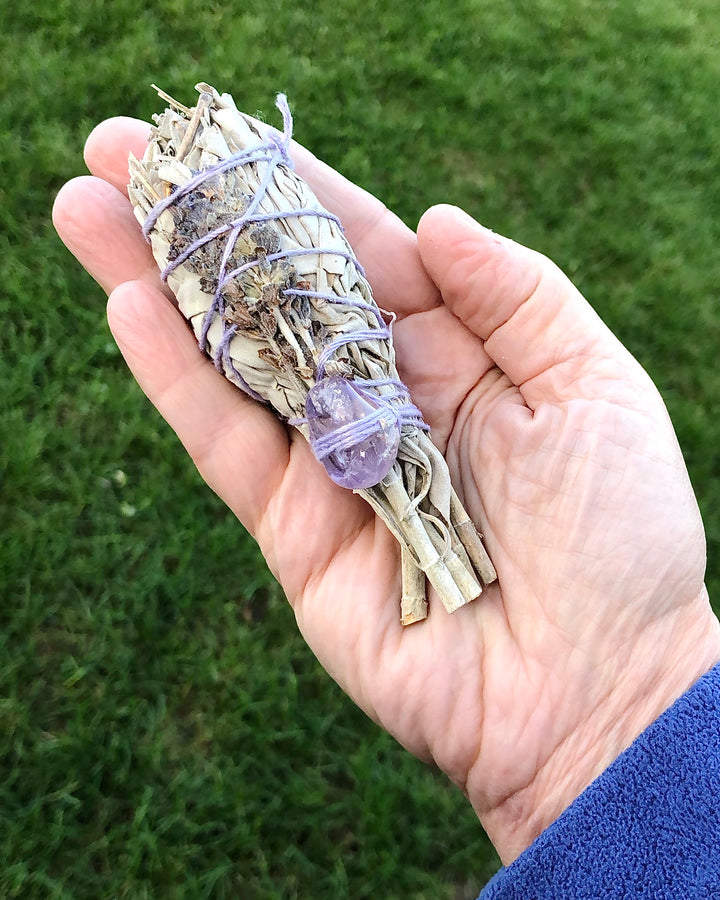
column 560, row 448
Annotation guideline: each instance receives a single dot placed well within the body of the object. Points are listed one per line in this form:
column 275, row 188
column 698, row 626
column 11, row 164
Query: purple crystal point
column 354, row 434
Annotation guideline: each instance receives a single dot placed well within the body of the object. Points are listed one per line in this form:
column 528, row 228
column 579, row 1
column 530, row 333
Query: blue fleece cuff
column 648, row 827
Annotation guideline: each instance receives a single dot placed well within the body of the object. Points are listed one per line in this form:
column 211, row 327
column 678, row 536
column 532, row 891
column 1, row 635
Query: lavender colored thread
column 395, row 405
column 334, row 298
column 353, row 433
column 223, row 360
column 283, row 254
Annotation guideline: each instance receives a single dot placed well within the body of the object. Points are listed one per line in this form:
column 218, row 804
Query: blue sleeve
column 648, row 827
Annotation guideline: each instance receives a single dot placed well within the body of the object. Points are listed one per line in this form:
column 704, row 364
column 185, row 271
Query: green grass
column 163, row 730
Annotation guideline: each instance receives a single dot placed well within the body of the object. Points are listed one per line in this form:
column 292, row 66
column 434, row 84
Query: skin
column 559, row 445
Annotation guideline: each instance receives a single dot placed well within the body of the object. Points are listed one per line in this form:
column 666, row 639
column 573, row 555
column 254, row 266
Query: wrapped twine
column 276, row 297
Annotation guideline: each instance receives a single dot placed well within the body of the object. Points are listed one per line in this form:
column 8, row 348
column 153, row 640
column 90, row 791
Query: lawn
column 164, row 732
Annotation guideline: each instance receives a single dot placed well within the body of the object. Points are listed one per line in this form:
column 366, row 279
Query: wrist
column 664, row 664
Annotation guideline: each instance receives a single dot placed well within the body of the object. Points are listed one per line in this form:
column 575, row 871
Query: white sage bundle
column 276, row 297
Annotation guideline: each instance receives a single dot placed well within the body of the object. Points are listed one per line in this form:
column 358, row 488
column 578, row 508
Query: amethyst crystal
column 353, row 432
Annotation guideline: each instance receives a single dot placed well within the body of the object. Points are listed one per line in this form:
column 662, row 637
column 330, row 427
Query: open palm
column 559, row 446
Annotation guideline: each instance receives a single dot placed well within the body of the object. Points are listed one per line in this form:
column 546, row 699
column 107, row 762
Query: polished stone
column 353, row 432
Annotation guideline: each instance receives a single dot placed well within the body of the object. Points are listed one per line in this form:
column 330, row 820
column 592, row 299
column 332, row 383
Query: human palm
column 559, row 446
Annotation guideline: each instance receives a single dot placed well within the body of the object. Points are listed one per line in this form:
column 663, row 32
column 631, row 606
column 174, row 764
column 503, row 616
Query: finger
column 96, row 224
column 109, row 146
column 269, row 478
column 442, row 362
column 534, row 323
column 226, row 433
column 385, row 246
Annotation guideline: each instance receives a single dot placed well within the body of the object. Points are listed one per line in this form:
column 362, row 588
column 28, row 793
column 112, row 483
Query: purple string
column 222, row 358
column 397, row 402
column 349, row 436
column 241, row 158
column 334, row 298
column 286, row 254
column 352, row 337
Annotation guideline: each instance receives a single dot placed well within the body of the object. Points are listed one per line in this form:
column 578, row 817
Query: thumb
column 536, row 325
